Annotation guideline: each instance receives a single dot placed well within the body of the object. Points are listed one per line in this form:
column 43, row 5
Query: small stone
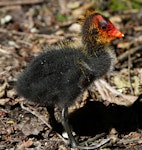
column 6, row 19
column 75, row 28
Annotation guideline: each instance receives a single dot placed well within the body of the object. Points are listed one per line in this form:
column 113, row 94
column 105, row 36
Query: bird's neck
column 96, row 49
column 93, row 43
column 102, row 53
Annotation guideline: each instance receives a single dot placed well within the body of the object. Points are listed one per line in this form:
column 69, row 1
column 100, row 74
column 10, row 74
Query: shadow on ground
column 95, row 117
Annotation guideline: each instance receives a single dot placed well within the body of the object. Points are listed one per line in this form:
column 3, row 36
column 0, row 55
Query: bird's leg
column 54, row 123
column 67, row 127
column 72, row 140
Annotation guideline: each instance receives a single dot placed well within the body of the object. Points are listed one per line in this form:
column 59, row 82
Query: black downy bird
column 59, row 75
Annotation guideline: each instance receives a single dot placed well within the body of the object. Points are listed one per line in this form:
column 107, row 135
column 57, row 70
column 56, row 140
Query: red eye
column 103, row 25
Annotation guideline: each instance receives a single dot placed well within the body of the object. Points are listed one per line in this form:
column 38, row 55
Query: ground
column 29, row 27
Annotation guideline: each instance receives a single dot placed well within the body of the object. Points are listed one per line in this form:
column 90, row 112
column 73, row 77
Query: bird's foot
column 90, row 141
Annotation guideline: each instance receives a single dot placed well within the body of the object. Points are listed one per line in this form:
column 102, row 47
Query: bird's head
column 97, row 28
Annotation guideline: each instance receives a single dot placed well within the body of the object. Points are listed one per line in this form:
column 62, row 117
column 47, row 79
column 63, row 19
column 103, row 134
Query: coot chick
column 60, row 74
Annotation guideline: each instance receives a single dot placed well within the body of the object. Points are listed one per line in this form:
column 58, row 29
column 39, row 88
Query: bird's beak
column 118, row 34
column 115, row 33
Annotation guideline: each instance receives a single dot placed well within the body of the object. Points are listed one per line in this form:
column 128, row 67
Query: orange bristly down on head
column 107, row 31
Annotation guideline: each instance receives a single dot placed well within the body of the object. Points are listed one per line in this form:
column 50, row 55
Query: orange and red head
column 98, row 28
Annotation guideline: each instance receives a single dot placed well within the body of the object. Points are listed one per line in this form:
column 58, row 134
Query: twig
column 93, row 139
column 112, row 95
column 28, row 34
column 41, row 118
column 4, row 51
column 129, row 73
column 35, row 114
column 11, row 7
column 24, row 42
column 128, row 141
column 125, row 55
column 63, row 7
column 102, row 143
column 2, row 123
column 24, row 2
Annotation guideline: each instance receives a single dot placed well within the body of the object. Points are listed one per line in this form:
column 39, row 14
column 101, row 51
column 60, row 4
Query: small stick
column 25, row 2
column 35, row 114
column 93, row 139
column 129, row 73
column 125, row 55
column 128, row 141
column 41, row 118
column 28, row 34
column 112, row 95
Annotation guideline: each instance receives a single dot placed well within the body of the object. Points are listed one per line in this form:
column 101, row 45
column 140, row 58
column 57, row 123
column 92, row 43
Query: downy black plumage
column 60, row 74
